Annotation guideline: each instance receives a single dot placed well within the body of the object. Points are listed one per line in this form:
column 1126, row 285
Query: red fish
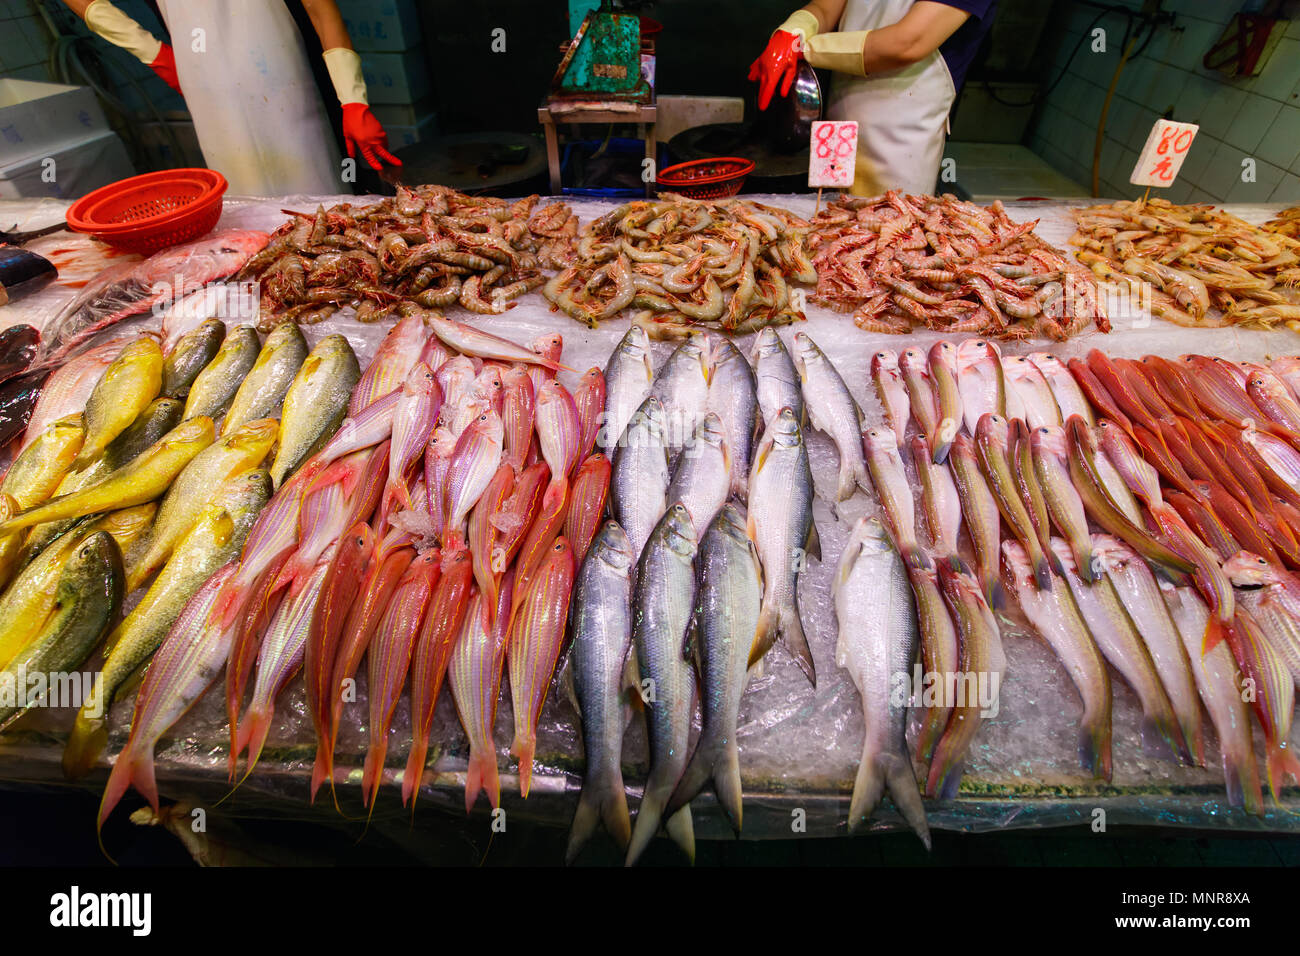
column 589, row 397
column 483, row 533
column 587, row 503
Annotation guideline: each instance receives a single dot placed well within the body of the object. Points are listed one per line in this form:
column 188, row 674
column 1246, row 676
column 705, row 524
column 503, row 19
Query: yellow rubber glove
column 841, row 52
column 120, row 30
column 803, row 24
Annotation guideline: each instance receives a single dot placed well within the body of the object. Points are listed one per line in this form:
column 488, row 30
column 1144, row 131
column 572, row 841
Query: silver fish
column 775, row 377
column 682, row 387
column 601, row 622
column 895, row 493
column 780, row 523
column 702, row 476
column 730, row 595
column 663, row 606
column 891, row 392
column 833, row 411
column 877, row 642
column 638, row 486
column 628, row 377
column 733, row 396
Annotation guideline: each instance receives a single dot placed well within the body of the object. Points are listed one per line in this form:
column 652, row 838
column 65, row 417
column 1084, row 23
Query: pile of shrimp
column 1191, row 262
column 898, row 262
column 681, row 263
column 428, row 244
column 1287, row 223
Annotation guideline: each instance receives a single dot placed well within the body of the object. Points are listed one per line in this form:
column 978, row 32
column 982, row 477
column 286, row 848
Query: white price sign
column 832, row 153
column 1162, row 156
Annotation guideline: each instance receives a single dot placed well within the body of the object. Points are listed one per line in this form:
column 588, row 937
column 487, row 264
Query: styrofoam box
column 395, row 77
column 36, row 118
column 386, row 26
column 79, row 167
column 423, row 130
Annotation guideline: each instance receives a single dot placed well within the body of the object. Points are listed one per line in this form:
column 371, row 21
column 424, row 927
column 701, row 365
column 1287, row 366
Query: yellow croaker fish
column 11, row 545
column 214, row 540
column 236, row 453
column 26, row 605
column 316, row 404
column 133, row 484
column 267, row 382
column 214, row 388
column 37, row 471
column 121, row 395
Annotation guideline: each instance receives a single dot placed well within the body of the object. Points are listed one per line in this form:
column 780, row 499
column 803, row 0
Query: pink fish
column 471, row 341
column 434, row 353
column 589, row 399
column 517, row 513
column 181, row 670
column 473, row 463
column 517, row 415
column 536, row 637
column 340, row 588
column 549, row 346
column 456, row 379
column 483, row 533
column 386, row 372
column 543, row 531
column 474, row 673
column 433, row 647
column 413, row 420
column 389, row 657
column 68, row 388
column 558, row 429
column 587, row 503
column 437, row 460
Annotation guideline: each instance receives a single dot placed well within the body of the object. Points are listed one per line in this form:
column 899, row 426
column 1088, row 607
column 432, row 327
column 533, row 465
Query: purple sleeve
column 979, row 9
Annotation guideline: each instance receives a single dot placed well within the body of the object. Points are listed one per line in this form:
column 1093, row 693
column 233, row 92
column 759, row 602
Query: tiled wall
column 24, row 41
column 1257, row 118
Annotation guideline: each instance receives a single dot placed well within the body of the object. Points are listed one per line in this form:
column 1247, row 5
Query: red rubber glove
column 164, row 64
column 777, row 64
column 362, row 131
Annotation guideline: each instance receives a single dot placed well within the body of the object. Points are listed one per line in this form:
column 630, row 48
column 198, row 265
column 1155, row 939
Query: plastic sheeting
column 799, row 747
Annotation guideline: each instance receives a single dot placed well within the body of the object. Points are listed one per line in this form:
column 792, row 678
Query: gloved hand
column 164, row 64
column 362, row 131
column 781, row 58
column 360, row 128
column 117, row 28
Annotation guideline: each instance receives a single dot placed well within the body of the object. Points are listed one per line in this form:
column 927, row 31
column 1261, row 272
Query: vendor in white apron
column 242, row 67
column 892, row 61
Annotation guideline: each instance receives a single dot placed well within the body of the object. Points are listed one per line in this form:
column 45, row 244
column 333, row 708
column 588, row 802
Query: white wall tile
column 1222, row 172
column 1252, row 122
column 1198, row 158
column 1267, row 178
column 1281, row 143
column 1218, row 113
column 1281, row 73
column 1287, row 191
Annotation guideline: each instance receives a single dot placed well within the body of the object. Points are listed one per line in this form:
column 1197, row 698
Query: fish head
column 199, row 429
column 944, row 353
column 785, row 428
column 254, row 438
column 1048, row 440
column 286, row 333
column 678, row 531
column 1080, row 435
column 95, row 563
column 710, row 430
column 1247, row 570
column 442, row 443
column 419, row 381
column 884, row 361
column 973, row 352
column 767, row 344
column 549, row 346
column 593, row 378
column 246, row 492
column 612, row 547
column 488, row 426
column 880, row 441
column 993, row 428
column 1017, row 367
column 913, row 361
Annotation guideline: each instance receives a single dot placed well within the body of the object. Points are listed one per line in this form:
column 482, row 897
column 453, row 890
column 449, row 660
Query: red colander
column 151, row 212
column 716, row 178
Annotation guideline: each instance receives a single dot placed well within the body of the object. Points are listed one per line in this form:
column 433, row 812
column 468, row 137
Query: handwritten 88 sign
column 834, row 148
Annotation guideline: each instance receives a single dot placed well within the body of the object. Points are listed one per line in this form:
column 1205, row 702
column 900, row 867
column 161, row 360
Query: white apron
column 257, row 112
column 902, row 116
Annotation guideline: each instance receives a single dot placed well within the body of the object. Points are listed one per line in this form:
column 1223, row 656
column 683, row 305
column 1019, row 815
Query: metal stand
column 643, row 115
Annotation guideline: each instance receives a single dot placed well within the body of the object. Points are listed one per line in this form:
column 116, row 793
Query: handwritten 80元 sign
column 832, row 153
column 1162, row 156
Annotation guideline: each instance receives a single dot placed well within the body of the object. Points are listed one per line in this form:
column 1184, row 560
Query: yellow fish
column 126, row 389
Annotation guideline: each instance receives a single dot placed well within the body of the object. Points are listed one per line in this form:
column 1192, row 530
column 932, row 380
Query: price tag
column 833, row 152
column 1162, row 156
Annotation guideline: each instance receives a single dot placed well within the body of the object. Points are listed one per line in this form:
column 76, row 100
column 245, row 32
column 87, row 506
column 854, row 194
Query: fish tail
column 600, row 801
column 482, row 775
column 945, row 770
column 900, row 780
column 253, row 731
column 524, row 748
column 1214, row 633
column 1095, row 747
column 1161, row 734
column 848, row 481
column 992, row 588
column 323, row 769
column 1084, row 558
column 1241, row 779
column 939, row 449
column 863, row 479
column 372, row 774
column 720, row 762
column 958, row 565
column 1194, row 736
column 1042, row 570
column 87, row 741
column 130, row 769
column 1282, row 763
column 868, row 788
column 915, row 557
column 414, row 771
column 682, row 831
column 648, row 816
column 796, row 641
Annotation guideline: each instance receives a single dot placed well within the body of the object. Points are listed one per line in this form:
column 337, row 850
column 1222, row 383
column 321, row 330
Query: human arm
column 107, row 21
column 921, row 31
column 361, row 130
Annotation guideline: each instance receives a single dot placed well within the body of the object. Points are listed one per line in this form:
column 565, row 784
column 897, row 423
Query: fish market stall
column 572, row 302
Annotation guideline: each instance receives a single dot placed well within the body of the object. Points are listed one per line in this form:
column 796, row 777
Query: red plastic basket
column 716, row 178
column 151, row 212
